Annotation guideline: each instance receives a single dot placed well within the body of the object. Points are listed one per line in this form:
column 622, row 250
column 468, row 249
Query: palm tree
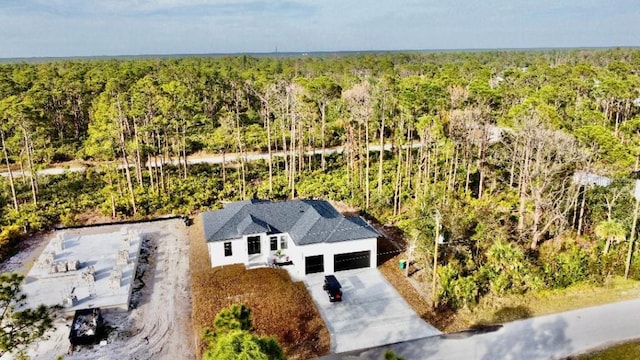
column 610, row 230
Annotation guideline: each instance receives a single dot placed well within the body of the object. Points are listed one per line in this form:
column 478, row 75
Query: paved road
column 546, row 337
column 372, row 313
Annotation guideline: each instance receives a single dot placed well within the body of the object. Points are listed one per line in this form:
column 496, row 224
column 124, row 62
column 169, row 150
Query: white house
column 310, row 235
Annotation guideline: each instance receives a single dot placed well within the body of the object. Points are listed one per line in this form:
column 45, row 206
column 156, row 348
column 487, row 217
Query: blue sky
column 133, row 27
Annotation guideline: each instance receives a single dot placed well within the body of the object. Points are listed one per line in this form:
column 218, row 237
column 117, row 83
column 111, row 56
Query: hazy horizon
column 297, row 53
column 113, row 28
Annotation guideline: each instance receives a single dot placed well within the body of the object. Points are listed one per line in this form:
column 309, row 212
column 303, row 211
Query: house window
column 274, row 243
column 283, row 242
column 253, row 245
column 227, row 249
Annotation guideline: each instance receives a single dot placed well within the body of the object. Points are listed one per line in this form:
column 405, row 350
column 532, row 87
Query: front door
column 253, row 244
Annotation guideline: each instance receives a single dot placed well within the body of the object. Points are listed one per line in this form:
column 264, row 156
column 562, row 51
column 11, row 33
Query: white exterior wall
column 298, row 253
column 238, row 250
column 295, row 253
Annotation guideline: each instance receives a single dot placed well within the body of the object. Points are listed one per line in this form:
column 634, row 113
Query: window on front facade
column 283, row 242
column 274, row 243
column 254, row 245
column 227, row 249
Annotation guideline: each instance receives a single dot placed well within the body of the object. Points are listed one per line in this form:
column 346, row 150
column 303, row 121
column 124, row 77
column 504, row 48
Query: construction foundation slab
column 79, row 271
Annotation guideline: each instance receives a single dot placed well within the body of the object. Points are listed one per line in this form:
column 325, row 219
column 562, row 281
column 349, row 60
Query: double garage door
column 346, row 261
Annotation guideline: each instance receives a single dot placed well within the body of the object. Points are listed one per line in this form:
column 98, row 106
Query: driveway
column 372, row 313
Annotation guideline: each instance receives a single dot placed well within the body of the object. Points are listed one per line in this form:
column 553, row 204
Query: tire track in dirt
column 164, row 303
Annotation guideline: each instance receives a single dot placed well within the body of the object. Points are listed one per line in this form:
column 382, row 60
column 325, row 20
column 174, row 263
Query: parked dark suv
column 332, row 287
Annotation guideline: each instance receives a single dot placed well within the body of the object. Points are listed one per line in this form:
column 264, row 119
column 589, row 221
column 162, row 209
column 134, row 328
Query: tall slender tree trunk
column 268, row 123
column 409, row 157
column 482, row 160
column 113, row 200
column 184, row 147
column 396, row 190
column 32, row 171
column 359, row 159
column 632, row 239
column 512, row 169
column 582, row 208
column 312, row 145
column 14, row 198
column 522, row 183
column 427, row 170
column 420, row 166
column 22, row 171
column 292, row 165
column 160, row 154
column 152, row 175
column 149, row 164
column 537, row 214
column 285, row 153
column 127, row 171
column 224, row 166
column 125, row 161
column 323, row 130
column 240, row 148
column 300, row 135
column 368, row 159
column 436, row 168
column 453, row 169
column 467, row 180
column 138, row 159
column 381, row 157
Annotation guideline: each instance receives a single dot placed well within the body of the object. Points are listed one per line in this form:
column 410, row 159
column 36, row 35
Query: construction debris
column 70, row 301
column 123, row 257
column 88, row 276
column 115, row 280
column 47, row 259
column 73, row 265
column 58, row 241
column 64, row 266
column 86, row 327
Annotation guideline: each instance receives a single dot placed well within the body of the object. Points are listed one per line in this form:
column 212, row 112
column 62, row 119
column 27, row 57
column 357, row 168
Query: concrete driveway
column 372, row 313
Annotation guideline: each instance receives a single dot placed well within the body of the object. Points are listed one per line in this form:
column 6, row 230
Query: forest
column 489, row 142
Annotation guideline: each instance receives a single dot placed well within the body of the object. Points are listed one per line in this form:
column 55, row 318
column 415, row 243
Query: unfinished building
column 85, row 271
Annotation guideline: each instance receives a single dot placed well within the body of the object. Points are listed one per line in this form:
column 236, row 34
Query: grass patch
column 280, row 307
column 496, row 310
column 626, row 351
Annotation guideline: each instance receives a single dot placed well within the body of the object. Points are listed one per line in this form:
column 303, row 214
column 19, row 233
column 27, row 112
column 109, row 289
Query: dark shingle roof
column 306, row 221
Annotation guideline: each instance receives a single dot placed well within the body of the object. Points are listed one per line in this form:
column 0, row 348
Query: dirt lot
column 158, row 326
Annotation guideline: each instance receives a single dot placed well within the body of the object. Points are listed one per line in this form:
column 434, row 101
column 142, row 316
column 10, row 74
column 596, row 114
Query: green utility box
column 402, row 264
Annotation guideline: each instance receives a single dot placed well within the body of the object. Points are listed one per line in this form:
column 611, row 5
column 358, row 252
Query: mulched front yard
column 280, row 307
